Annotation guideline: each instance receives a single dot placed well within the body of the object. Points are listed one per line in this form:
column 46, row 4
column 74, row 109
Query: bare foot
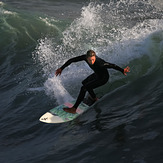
column 70, row 110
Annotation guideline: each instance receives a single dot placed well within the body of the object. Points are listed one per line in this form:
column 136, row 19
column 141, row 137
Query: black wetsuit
column 98, row 78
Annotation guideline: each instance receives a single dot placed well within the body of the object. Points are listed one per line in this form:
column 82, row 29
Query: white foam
column 1, row 3
column 55, row 88
column 50, row 22
column 6, row 12
column 158, row 4
column 100, row 29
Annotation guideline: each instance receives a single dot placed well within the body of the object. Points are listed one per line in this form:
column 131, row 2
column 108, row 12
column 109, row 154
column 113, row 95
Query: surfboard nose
column 50, row 118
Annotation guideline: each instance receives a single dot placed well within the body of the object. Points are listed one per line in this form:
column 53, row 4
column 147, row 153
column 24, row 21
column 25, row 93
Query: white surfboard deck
column 58, row 115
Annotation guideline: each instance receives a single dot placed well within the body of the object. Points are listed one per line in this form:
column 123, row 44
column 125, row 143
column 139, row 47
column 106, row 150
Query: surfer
column 97, row 79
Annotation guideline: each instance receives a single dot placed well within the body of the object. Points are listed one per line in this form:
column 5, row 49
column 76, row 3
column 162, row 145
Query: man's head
column 91, row 57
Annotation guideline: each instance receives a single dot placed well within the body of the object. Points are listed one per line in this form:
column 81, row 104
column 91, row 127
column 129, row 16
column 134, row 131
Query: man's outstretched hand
column 58, row 72
column 127, row 69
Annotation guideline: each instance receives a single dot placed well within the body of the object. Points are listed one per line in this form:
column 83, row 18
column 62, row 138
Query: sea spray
column 100, row 27
column 86, row 31
column 54, row 87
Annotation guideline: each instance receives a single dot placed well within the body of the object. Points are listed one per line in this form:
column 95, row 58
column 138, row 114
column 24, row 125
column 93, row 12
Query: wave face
column 36, row 39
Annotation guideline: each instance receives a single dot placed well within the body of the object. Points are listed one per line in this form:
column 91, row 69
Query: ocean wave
column 125, row 125
column 127, row 45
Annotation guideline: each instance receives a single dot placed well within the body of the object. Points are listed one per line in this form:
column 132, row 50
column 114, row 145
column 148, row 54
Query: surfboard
column 58, row 115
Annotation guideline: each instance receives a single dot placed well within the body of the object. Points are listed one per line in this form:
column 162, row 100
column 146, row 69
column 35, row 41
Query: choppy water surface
column 38, row 37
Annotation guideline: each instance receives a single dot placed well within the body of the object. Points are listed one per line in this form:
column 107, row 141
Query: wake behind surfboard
column 58, row 115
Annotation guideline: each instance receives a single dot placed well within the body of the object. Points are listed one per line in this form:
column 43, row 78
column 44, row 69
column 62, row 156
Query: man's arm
column 75, row 59
column 114, row 66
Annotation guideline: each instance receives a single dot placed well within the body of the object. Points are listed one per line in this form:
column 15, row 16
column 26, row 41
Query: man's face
column 91, row 60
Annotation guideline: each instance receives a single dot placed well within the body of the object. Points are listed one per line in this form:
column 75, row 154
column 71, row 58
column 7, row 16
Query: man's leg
column 80, row 97
column 78, row 101
column 87, row 82
column 90, row 83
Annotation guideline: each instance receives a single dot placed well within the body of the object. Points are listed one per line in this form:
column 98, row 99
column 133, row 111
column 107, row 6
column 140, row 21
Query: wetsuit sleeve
column 114, row 66
column 75, row 59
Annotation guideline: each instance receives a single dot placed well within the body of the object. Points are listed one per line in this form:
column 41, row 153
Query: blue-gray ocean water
column 37, row 37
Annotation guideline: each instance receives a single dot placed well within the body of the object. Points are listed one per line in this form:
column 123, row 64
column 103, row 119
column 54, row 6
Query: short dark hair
column 90, row 53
